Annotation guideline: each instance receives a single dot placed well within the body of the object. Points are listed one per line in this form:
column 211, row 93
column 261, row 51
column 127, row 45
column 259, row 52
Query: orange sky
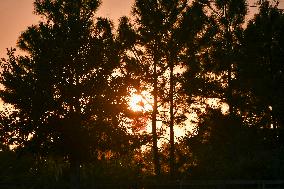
column 16, row 15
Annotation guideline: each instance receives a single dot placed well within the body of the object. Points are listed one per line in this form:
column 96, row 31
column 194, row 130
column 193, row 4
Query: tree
column 67, row 100
column 173, row 13
column 261, row 69
column 183, row 41
column 149, row 20
column 160, row 25
column 214, row 67
column 227, row 148
column 227, row 49
column 237, row 66
column 165, row 30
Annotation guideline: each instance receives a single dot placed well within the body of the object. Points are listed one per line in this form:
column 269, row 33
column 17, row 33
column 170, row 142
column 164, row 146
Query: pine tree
column 162, row 29
column 66, row 98
column 216, row 63
column 261, row 69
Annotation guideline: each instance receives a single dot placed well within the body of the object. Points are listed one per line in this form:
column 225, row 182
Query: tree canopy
column 69, row 95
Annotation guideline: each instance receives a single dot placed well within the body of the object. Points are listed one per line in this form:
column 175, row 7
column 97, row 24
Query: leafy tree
column 225, row 148
column 214, row 64
column 67, row 100
column 174, row 13
column 149, row 20
column 227, row 46
column 160, row 26
column 238, row 66
column 261, row 72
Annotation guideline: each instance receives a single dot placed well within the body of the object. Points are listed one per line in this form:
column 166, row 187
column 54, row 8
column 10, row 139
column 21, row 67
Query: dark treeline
column 67, row 122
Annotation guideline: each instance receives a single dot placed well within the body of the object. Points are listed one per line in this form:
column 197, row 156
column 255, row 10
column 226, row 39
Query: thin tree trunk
column 75, row 159
column 229, row 81
column 157, row 168
column 172, row 139
column 74, row 173
column 230, row 91
column 271, row 74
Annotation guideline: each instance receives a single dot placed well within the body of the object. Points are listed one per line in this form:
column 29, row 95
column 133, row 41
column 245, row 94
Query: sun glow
column 139, row 102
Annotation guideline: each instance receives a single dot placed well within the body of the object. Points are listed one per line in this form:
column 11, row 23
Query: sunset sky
column 16, row 15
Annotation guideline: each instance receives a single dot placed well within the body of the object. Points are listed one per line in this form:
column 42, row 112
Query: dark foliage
column 225, row 148
column 70, row 120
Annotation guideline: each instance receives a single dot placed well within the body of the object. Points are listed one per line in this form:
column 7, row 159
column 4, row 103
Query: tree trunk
column 172, row 139
column 230, row 91
column 74, row 173
column 157, row 168
column 230, row 64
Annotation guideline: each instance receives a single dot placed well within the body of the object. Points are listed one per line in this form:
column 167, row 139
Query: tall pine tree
column 66, row 99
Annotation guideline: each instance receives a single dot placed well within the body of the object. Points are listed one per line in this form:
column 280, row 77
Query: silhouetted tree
column 173, row 13
column 149, row 20
column 261, row 72
column 230, row 19
column 166, row 31
column 160, row 26
column 67, row 100
column 214, row 64
column 226, row 148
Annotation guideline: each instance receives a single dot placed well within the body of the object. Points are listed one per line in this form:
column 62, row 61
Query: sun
column 138, row 103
